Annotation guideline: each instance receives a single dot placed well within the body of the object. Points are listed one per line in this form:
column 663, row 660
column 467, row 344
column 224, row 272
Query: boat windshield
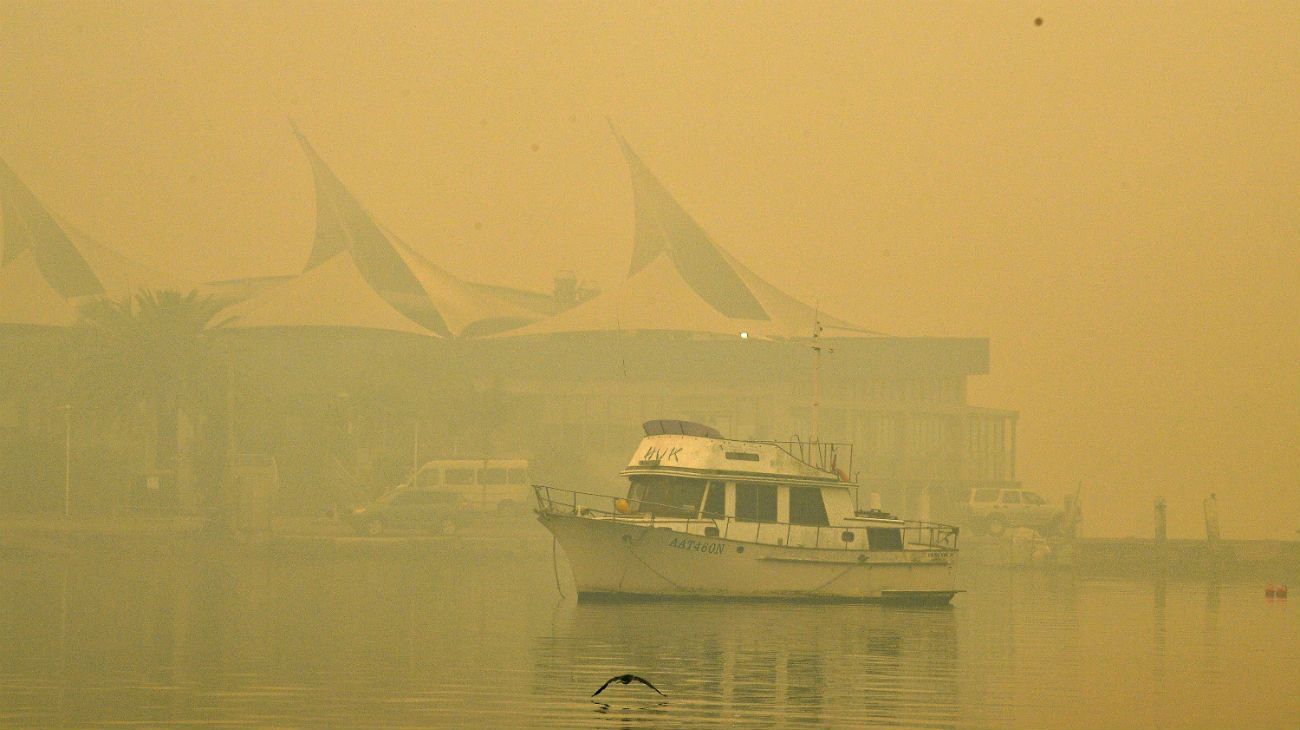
column 665, row 496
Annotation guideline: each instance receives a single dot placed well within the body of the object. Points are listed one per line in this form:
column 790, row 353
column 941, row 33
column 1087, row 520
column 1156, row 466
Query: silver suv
column 993, row 511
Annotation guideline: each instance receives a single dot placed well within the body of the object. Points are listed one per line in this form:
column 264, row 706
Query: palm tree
column 153, row 353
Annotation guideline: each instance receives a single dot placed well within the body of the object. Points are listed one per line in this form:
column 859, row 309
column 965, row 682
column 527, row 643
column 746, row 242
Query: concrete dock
column 321, row 538
column 1136, row 556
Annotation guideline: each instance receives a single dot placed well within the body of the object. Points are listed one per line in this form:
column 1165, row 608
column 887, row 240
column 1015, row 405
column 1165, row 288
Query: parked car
column 993, row 511
column 405, row 508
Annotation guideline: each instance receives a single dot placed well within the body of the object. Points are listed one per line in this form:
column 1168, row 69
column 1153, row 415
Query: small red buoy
column 1270, row 591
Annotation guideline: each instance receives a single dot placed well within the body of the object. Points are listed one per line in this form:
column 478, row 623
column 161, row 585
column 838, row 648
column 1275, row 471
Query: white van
column 488, row 484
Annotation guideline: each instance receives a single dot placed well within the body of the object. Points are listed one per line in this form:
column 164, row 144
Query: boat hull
column 621, row 560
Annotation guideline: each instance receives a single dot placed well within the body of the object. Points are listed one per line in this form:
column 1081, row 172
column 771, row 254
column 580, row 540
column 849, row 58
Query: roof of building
column 418, row 288
column 542, row 303
column 468, row 310
column 244, row 287
column 30, row 228
column 656, row 298
column 27, row 298
column 43, row 258
column 333, row 293
column 680, row 280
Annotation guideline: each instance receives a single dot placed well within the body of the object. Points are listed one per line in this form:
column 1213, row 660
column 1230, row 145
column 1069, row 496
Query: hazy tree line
column 146, row 386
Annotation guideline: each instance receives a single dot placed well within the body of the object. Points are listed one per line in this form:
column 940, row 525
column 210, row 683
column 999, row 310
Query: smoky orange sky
column 1111, row 197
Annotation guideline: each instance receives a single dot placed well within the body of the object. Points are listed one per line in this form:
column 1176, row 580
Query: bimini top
column 680, row 428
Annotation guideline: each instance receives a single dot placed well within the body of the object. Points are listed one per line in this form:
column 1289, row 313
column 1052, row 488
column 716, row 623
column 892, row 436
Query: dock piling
column 1162, row 520
column 1212, row 520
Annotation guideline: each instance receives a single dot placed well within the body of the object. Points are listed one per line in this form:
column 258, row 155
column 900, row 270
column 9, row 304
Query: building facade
column 373, row 358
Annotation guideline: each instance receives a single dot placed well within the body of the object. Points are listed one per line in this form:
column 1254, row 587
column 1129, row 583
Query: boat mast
column 815, row 436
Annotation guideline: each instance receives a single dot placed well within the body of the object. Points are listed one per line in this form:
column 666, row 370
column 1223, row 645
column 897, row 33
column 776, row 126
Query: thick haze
column 1112, row 197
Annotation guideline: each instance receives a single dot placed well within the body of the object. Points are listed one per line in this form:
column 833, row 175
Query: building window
column 806, row 506
column 756, row 502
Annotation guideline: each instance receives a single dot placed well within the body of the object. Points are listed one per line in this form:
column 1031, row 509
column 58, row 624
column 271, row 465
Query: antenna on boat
column 817, row 348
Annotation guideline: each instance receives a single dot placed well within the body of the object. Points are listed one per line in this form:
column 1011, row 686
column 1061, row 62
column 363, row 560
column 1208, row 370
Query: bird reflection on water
column 605, row 707
column 654, row 708
column 757, row 663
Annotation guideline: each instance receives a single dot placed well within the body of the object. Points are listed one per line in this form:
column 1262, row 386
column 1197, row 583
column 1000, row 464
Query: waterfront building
column 374, row 357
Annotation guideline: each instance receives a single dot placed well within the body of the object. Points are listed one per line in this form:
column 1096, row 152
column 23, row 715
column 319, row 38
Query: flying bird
column 626, row 679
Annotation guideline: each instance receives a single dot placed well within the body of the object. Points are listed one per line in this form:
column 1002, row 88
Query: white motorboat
column 707, row 516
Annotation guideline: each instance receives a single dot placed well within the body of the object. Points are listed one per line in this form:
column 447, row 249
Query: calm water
column 180, row 641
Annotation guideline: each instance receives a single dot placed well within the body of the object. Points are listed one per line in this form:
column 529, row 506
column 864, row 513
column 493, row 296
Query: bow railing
column 911, row 535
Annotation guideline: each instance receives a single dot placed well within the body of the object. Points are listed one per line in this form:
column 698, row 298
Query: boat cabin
column 687, row 477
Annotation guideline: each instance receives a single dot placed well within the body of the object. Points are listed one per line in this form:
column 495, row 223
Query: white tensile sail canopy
column 681, row 281
column 332, row 294
column 467, row 310
column 423, row 291
column 26, row 298
column 47, row 266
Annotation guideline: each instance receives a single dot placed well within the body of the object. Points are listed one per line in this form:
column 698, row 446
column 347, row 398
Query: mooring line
column 652, row 570
column 555, row 565
column 834, row 578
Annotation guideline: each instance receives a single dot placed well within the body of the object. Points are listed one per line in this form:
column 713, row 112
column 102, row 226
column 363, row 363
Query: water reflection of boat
column 746, row 665
column 714, row 517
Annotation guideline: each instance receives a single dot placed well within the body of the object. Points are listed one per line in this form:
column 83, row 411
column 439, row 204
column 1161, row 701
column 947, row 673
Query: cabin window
column 1031, row 498
column 715, row 501
column 458, row 476
column 666, row 496
column 492, row 476
column 1011, row 498
column 884, row 538
column 428, row 478
column 756, row 502
column 806, row 506
column 986, row 495
column 516, row 476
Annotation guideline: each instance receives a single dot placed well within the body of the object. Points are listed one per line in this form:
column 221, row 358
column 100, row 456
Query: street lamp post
column 67, row 460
